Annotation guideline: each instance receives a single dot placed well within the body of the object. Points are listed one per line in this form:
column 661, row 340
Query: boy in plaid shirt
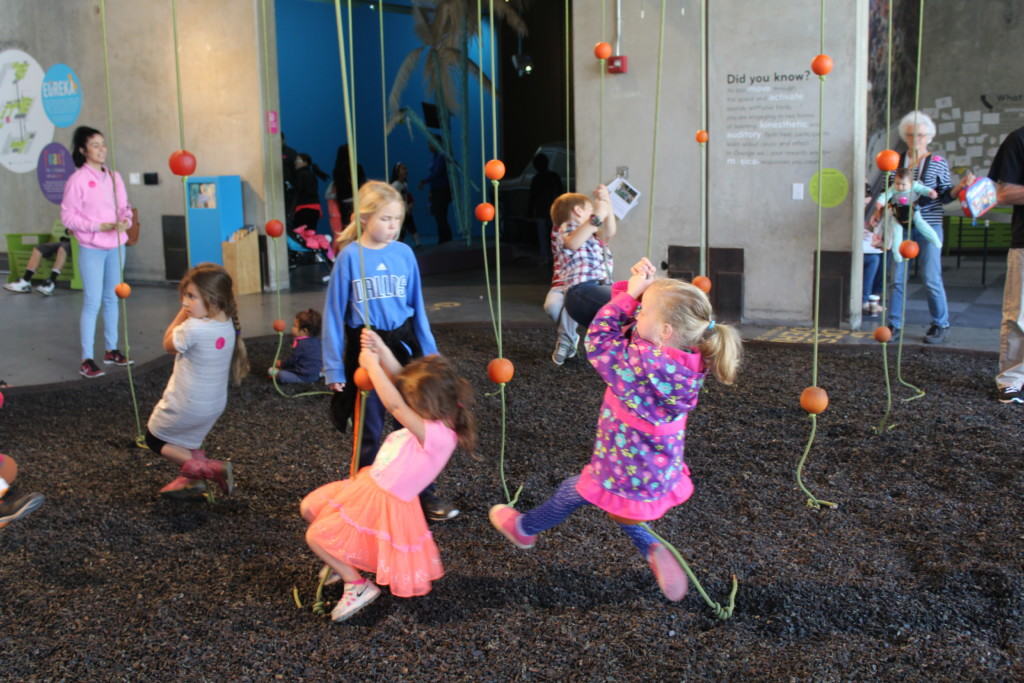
column 581, row 277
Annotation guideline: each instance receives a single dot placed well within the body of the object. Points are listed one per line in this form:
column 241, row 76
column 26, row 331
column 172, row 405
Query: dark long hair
column 79, row 141
column 432, row 388
column 215, row 288
column 313, row 167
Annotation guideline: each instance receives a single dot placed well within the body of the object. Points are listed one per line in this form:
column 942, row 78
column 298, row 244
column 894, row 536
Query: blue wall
column 312, row 113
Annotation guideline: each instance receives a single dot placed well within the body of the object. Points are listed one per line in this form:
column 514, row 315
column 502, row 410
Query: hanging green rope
column 721, row 612
column 884, row 424
column 480, row 90
column 906, row 264
column 349, row 105
column 568, row 101
column 383, row 92
column 495, row 308
column 274, row 181
column 600, row 103
column 812, row 500
column 181, row 128
column 140, row 439
column 654, row 137
column 703, row 145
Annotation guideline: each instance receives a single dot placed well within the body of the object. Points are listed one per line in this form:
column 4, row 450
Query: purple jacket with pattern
column 637, row 469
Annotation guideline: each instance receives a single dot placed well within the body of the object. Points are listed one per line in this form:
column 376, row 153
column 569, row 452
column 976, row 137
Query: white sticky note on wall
column 947, row 128
column 972, row 116
column 974, row 151
column 990, row 119
column 950, row 145
column 970, row 128
column 943, row 102
column 798, row 191
column 955, row 112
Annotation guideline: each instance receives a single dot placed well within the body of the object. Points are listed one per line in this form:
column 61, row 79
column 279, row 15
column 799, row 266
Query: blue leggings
column 565, row 501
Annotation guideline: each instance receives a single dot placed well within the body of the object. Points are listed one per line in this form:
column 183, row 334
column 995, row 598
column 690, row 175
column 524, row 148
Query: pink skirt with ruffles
column 364, row 526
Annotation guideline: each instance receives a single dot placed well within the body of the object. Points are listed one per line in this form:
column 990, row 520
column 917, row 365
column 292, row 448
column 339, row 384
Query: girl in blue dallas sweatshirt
column 386, row 288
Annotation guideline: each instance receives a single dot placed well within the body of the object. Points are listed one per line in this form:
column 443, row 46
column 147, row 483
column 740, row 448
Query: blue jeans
column 931, row 274
column 584, row 300
column 872, row 281
column 100, row 270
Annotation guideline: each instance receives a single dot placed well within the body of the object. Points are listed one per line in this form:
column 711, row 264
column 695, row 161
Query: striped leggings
column 563, row 503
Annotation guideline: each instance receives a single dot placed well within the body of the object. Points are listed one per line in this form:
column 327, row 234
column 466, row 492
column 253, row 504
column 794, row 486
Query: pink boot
column 217, row 471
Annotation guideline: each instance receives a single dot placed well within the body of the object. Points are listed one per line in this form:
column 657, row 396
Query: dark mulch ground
column 918, row 575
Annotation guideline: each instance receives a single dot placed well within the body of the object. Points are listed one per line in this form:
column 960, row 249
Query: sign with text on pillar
column 62, row 95
column 24, row 126
column 53, row 170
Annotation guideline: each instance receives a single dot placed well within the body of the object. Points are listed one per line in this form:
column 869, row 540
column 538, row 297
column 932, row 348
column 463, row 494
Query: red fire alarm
column 618, row 64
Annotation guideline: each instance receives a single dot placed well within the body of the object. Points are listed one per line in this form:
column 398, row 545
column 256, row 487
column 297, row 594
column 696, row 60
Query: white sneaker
column 46, row 289
column 563, row 351
column 19, row 286
column 355, row 598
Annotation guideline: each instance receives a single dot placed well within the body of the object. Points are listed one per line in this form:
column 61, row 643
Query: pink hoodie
column 89, row 201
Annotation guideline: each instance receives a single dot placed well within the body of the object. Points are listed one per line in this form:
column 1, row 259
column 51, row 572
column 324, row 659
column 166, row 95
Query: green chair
column 19, row 249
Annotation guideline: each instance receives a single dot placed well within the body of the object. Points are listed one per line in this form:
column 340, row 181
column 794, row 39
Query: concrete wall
column 223, row 94
column 751, row 179
column 971, row 78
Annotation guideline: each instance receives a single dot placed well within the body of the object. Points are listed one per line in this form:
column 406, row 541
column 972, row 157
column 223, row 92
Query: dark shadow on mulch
column 917, row 575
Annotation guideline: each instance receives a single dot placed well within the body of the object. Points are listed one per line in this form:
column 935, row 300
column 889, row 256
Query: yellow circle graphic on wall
column 833, row 190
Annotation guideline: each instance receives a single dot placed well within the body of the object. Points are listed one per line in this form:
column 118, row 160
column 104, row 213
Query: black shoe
column 436, row 509
column 1010, row 395
column 936, row 335
column 19, row 507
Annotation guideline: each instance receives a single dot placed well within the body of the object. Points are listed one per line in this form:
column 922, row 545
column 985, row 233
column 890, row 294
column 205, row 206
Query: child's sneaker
column 669, row 573
column 89, row 369
column 19, row 286
column 115, row 357
column 356, row 597
column 563, row 351
column 17, row 508
column 506, row 520
column 46, row 289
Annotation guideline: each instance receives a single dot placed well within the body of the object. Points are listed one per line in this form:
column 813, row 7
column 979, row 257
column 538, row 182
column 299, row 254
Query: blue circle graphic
column 62, row 95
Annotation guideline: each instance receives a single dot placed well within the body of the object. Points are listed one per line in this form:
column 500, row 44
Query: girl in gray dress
column 205, row 339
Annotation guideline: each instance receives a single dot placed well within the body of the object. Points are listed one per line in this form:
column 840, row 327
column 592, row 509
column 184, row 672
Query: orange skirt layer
column 364, row 526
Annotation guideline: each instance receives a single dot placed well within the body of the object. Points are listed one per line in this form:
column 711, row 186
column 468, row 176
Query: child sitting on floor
column 306, row 361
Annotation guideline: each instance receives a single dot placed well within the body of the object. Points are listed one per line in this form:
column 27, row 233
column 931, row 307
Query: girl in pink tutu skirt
column 374, row 521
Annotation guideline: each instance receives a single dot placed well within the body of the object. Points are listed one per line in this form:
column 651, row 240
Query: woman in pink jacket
column 95, row 208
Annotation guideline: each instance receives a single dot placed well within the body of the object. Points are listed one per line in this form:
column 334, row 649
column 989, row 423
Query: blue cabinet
column 214, row 206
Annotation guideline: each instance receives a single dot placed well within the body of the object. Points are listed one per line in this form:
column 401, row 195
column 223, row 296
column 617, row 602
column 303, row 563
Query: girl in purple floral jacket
column 653, row 344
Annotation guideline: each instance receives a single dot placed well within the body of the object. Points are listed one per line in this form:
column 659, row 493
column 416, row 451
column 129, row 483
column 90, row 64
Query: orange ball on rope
column 814, row 400
column 274, row 228
column 182, row 162
column 123, row 290
column 500, row 370
column 279, row 325
column 484, row 212
column 703, row 283
column 494, row 169
column 821, row 65
column 603, row 50
column 701, row 136
column 909, row 249
column 882, row 334
column 362, row 379
column 887, row 160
